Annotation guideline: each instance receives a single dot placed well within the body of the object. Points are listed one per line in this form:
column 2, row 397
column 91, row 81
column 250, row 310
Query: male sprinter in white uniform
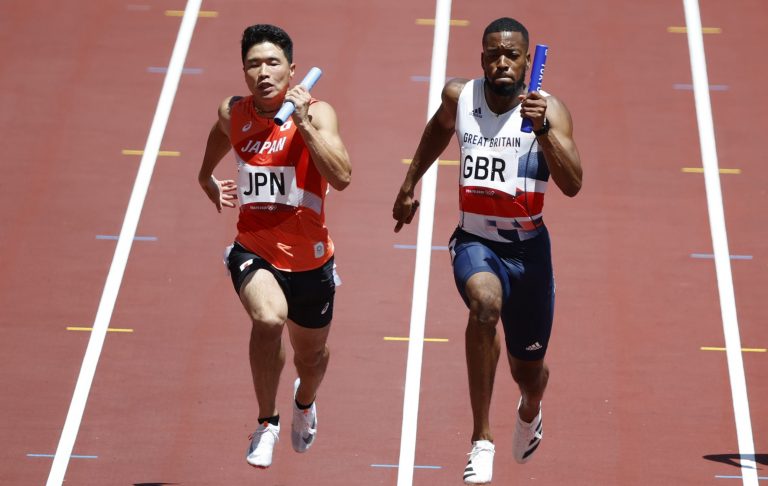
column 500, row 250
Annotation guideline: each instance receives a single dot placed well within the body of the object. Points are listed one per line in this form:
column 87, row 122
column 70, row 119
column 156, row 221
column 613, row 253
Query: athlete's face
column 505, row 60
column 267, row 71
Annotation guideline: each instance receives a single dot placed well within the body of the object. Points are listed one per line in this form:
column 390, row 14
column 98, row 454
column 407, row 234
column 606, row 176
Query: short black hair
column 256, row 34
column 506, row 24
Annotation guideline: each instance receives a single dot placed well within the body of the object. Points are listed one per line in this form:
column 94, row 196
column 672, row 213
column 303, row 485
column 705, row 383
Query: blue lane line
column 136, row 238
column 413, row 247
column 689, row 87
column 73, row 456
column 163, row 70
column 710, row 255
column 415, row 467
column 760, row 478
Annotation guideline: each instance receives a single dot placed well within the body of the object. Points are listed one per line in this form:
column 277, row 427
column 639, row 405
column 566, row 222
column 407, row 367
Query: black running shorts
column 309, row 294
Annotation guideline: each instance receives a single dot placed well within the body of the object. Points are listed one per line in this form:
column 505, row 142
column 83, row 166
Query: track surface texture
column 632, row 400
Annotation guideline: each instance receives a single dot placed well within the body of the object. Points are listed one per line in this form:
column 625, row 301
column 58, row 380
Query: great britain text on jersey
column 492, row 142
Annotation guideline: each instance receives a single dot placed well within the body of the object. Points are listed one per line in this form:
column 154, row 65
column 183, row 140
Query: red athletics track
column 632, row 400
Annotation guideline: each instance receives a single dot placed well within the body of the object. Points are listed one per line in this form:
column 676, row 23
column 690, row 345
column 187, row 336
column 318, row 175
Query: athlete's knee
column 485, row 308
column 532, row 375
column 311, row 358
column 266, row 327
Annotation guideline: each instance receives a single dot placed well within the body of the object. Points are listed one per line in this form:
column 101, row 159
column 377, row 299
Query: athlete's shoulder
column 230, row 103
column 453, row 88
column 320, row 106
column 322, row 113
column 225, row 110
column 558, row 115
column 556, row 105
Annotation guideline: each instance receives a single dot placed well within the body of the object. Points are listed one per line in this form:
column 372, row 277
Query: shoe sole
column 256, row 465
column 468, row 482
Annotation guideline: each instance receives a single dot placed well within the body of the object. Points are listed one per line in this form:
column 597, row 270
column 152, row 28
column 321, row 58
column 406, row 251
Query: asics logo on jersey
column 247, row 126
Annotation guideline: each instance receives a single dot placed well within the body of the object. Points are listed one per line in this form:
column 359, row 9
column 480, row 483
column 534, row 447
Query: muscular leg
column 482, row 347
column 265, row 303
column 531, row 377
column 311, row 356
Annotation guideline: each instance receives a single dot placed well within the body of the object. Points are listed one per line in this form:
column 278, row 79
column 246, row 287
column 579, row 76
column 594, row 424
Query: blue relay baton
column 308, row 82
column 537, row 76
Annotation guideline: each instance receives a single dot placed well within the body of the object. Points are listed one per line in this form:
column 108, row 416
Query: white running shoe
column 304, row 425
column 527, row 436
column 479, row 468
column 263, row 442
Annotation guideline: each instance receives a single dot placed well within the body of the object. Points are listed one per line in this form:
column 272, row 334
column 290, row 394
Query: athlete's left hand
column 404, row 209
column 534, row 106
column 299, row 96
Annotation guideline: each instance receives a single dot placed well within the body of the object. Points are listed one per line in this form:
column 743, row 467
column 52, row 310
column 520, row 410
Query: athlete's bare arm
column 558, row 146
column 319, row 127
column 219, row 192
column 437, row 134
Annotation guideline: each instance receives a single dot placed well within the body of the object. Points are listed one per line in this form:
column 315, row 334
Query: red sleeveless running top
column 281, row 193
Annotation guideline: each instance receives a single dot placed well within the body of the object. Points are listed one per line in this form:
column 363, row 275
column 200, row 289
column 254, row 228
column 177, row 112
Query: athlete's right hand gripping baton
column 537, row 76
column 308, row 82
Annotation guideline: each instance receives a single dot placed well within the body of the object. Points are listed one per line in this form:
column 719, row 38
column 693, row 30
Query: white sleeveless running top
column 503, row 175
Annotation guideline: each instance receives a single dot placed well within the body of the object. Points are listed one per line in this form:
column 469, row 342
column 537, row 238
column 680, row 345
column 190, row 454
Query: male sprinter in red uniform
column 281, row 262
column 500, row 251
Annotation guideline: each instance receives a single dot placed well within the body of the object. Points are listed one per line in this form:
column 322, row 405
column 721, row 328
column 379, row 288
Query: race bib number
column 258, row 184
column 481, row 168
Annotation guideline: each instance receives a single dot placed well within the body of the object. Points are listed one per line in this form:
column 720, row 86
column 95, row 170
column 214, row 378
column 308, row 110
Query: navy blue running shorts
column 524, row 269
column 309, row 294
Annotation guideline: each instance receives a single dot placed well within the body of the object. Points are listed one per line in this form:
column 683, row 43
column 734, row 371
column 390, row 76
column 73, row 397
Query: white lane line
column 423, row 254
column 124, row 242
column 720, row 243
